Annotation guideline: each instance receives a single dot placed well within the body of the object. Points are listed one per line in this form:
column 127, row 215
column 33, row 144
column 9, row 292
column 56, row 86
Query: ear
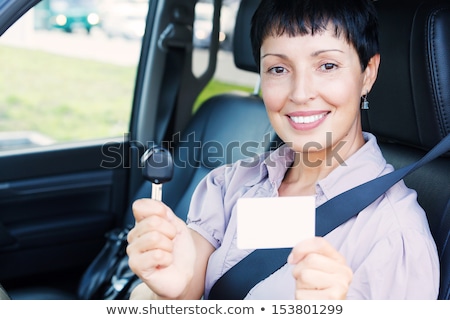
column 371, row 73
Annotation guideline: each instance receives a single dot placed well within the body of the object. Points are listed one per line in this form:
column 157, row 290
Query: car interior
column 46, row 247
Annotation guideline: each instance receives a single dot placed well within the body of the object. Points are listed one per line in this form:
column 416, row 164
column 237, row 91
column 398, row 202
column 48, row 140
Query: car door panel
column 62, row 210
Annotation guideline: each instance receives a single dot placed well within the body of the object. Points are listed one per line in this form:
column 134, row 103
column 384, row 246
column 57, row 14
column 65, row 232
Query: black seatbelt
column 258, row 265
column 171, row 84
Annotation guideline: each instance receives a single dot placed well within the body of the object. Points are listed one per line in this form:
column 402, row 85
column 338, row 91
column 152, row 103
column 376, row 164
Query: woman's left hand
column 320, row 271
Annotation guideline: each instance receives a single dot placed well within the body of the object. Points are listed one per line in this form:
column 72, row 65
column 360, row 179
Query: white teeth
column 308, row 119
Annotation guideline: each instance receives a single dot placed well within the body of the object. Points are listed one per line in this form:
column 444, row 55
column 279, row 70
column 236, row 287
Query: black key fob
column 157, row 165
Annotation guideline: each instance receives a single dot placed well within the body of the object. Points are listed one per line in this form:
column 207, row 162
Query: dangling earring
column 365, row 103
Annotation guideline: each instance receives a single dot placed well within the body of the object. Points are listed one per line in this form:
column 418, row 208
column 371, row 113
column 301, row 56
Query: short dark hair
column 356, row 20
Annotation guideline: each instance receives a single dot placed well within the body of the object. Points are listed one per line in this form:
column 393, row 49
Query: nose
column 302, row 88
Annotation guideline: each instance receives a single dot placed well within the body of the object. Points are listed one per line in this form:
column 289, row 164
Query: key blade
column 157, row 191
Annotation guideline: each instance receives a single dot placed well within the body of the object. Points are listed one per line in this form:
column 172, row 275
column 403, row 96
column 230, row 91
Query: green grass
column 216, row 87
column 63, row 98
column 69, row 99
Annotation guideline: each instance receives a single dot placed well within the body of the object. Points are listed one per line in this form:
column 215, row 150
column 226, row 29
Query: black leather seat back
column 410, row 105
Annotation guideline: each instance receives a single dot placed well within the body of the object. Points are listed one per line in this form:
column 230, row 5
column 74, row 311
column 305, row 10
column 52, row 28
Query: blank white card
column 280, row 222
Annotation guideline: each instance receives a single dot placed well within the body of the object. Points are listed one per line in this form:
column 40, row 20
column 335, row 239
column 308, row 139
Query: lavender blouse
column 388, row 245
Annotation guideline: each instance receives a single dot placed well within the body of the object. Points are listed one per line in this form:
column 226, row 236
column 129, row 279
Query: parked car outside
column 67, row 15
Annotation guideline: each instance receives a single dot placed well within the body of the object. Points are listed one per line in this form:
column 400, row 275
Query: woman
column 318, row 61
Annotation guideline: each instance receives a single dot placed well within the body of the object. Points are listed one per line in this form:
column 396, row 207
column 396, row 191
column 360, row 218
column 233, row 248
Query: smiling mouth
column 307, row 119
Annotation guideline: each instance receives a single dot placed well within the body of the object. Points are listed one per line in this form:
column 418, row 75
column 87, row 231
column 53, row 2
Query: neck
column 310, row 167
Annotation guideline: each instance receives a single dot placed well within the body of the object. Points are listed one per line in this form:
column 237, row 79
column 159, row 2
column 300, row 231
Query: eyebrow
column 274, row 54
column 314, row 54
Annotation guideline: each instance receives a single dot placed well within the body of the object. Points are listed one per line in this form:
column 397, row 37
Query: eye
column 277, row 70
column 328, row 66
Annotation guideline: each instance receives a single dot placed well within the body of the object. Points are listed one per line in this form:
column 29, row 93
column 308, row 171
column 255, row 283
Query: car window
column 227, row 77
column 65, row 78
column 69, row 69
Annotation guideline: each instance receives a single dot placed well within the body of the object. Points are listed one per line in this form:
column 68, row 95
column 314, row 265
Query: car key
column 157, row 167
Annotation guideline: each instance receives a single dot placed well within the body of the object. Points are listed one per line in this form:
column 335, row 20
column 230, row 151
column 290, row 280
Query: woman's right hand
column 161, row 249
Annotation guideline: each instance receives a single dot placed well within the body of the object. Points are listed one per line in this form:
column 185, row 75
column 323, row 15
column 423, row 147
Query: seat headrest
column 410, row 101
column 242, row 48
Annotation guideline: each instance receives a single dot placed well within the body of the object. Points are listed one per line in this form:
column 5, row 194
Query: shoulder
column 395, row 212
column 400, row 209
column 251, row 171
column 366, row 164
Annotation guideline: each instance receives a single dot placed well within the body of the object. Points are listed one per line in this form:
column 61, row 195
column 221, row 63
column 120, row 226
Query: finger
column 314, row 261
column 150, row 241
column 314, row 284
column 320, row 262
column 153, row 224
column 324, row 268
column 317, row 279
column 179, row 224
column 316, row 245
column 310, row 279
column 143, row 208
column 149, row 261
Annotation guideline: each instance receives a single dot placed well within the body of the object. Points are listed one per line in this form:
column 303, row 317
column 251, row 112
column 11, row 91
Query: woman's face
column 312, row 86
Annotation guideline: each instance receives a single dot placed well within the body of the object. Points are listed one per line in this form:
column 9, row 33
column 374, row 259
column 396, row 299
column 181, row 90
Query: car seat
column 410, row 105
column 226, row 128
